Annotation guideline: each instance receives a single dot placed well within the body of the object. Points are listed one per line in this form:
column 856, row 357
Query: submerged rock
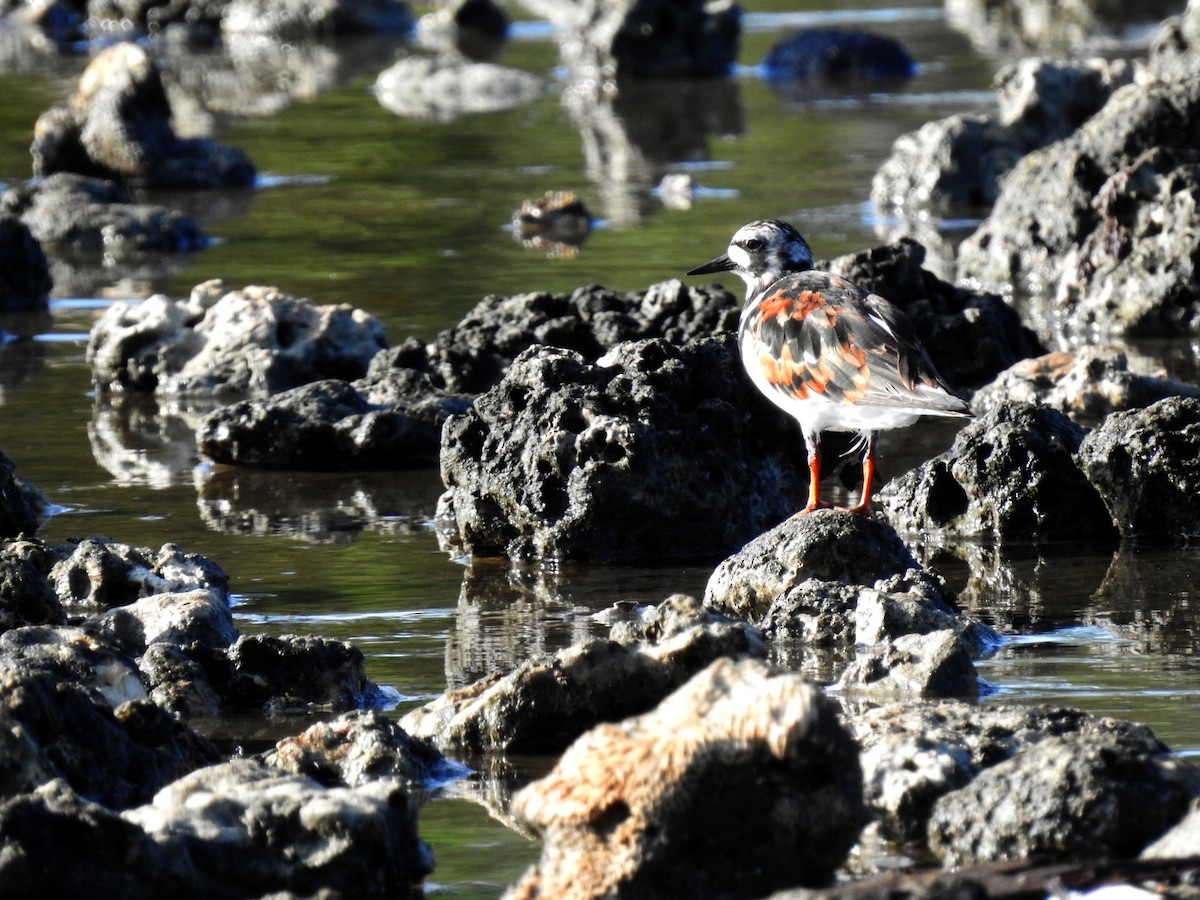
column 655, row 452
column 445, row 88
column 229, row 343
column 545, row 703
column 118, row 126
column 837, row 54
column 1011, row 473
column 739, row 783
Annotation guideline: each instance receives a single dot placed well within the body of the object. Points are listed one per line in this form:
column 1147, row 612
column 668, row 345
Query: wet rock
column 289, row 673
column 556, row 224
column 1087, row 384
column 937, row 664
column 739, row 783
column 955, row 164
column 445, row 88
column 19, row 513
column 1018, row 27
column 26, row 597
column 118, row 126
column 655, row 452
column 826, row 546
column 392, row 420
column 1145, row 464
column 1011, row 473
column 72, row 656
column 177, row 683
column 1137, row 269
column 1173, row 52
column 474, row 354
column 831, row 53
column 1045, row 208
column 651, row 38
column 1065, row 798
column 24, row 273
column 914, row 754
column 970, row 336
column 178, row 619
column 236, row 829
column 359, row 747
column 61, row 728
column 85, row 216
column 230, row 343
column 545, row 703
column 98, row 572
column 299, row 19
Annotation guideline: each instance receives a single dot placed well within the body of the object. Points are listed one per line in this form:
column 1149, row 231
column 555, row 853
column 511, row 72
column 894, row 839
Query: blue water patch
column 274, row 181
column 776, row 21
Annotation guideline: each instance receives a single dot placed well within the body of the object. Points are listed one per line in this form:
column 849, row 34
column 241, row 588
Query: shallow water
column 409, row 220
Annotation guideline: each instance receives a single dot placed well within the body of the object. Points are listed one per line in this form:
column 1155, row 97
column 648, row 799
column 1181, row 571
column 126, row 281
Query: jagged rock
column 98, row 572
column 546, row 703
column 473, row 355
column 936, row 664
column 1011, row 473
column 655, row 452
column 86, row 216
column 391, row 420
column 1137, row 270
column 1087, row 384
column 826, row 546
column 445, row 88
column 298, row 19
column 651, row 38
column 1145, row 464
column 177, row 683
column 229, row 344
column 1045, row 209
column 1173, row 52
column 1065, row 797
column 739, row 783
column 914, row 754
column 360, row 747
column 69, row 655
column 1018, row 27
column 24, row 273
column 956, row 163
column 19, row 513
column 179, row 619
column 235, row 829
column 118, row 126
column 26, row 597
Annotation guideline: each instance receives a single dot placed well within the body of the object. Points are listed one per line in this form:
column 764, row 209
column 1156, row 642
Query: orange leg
column 868, row 476
column 814, row 482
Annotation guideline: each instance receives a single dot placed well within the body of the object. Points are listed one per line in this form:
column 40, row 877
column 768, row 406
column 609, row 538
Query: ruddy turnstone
column 829, row 353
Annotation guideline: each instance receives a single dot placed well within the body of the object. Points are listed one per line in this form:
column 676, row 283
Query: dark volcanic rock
column 1087, row 385
column 85, row 216
column 1145, row 463
column 118, row 126
column 1050, row 202
column 545, row 703
column 24, row 273
column 473, row 355
column 912, row 755
column 956, row 163
column 26, row 597
column 651, row 38
column 1011, row 473
column 971, row 337
column 937, row 664
column 230, row 343
column 831, row 53
column 233, row 830
column 740, row 783
column 655, row 452
column 360, row 747
column 391, row 420
column 1065, row 798
column 18, row 514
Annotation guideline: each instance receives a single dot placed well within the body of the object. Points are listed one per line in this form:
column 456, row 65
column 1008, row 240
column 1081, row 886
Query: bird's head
column 761, row 253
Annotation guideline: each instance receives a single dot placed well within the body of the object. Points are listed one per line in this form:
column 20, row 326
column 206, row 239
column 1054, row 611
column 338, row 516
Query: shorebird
column 826, row 351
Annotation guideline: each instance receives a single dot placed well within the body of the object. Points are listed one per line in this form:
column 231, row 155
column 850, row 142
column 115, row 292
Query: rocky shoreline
column 618, row 428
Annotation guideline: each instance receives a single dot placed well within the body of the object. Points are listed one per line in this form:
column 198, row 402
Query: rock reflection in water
column 323, row 508
column 141, row 441
column 1148, row 599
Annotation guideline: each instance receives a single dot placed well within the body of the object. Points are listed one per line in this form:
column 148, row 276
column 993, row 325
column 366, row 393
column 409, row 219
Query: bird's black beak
column 721, row 264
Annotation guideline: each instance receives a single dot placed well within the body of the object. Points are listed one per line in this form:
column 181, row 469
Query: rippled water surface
column 408, row 220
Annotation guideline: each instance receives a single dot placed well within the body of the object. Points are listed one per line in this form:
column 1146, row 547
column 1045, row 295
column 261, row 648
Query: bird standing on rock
column 829, row 353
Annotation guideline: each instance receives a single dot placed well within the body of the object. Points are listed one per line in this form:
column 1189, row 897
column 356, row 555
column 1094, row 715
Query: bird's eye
column 753, row 244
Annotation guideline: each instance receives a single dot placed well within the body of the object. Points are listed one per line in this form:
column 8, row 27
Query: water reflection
column 140, row 441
